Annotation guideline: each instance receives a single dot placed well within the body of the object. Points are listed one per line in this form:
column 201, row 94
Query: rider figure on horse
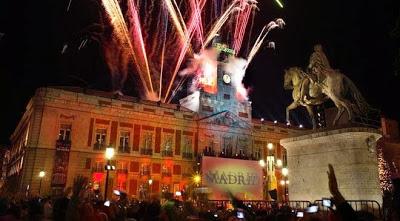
column 319, row 64
column 317, row 68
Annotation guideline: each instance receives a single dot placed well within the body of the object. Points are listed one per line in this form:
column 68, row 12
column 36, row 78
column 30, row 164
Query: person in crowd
column 395, row 207
column 345, row 211
column 61, row 204
column 47, row 209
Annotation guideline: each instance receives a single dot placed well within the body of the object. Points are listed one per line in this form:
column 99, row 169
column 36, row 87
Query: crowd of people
column 81, row 203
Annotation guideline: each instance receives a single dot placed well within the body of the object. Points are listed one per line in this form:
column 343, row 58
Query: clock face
column 226, row 78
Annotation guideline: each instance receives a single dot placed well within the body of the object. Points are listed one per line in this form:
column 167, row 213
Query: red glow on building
column 97, row 177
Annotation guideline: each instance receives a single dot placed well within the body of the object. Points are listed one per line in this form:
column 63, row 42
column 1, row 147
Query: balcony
column 145, row 173
column 124, row 149
column 166, row 174
column 145, row 151
column 63, row 142
column 187, row 155
column 166, row 153
column 99, row 146
column 124, row 171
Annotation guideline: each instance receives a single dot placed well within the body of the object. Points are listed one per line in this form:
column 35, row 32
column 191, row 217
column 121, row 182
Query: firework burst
column 159, row 37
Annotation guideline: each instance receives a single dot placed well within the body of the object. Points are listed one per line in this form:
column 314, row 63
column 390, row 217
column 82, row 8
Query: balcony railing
column 63, row 142
column 99, row 146
column 166, row 174
column 145, row 151
column 166, row 153
column 187, row 155
column 125, row 149
column 122, row 171
column 145, row 173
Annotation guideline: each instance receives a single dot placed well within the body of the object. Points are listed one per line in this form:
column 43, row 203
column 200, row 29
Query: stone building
column 64, row 132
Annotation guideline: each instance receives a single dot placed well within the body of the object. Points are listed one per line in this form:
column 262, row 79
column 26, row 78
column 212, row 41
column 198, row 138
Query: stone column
column 351, row 151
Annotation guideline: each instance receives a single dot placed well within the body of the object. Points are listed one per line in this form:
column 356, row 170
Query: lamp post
column 270, row 146
column 285, row 182
column 150, row 182
column 197, row 179
column 41, row 175
column 270, row 165
column 109, row 155
column 265, row 189
column 279, row 163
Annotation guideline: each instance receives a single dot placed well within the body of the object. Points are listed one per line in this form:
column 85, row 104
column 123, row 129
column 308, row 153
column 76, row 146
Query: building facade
column 64, row 132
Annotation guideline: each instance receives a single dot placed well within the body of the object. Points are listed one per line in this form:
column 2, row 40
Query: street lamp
column 270, row 146
column 262, row 163
column 150, row 182
column 197, row 179
column 109, row 155
column 279, row 163
column 285, row 181
column 285, row 171
column 41, row 175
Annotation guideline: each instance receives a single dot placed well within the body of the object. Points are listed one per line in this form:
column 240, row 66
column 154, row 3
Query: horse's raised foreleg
column 311, row 114
column 292, row 106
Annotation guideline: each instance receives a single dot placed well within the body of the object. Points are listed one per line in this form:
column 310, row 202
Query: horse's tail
column 361, row 103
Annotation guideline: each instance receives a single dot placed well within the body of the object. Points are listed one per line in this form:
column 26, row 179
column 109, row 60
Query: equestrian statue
column 318, row 84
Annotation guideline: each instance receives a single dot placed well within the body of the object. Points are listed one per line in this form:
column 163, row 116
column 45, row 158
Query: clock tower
column 223, row 99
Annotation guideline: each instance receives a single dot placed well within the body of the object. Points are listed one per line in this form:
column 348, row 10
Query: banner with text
column 60, row 169
column 242, row 178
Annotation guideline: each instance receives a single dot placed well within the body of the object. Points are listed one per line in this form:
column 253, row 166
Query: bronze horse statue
column 335, row 86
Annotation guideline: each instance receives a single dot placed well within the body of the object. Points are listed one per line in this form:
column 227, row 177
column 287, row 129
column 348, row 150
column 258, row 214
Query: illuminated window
column 65, row 132
column 101, row 135
column 124, row 141
column 166, row 171
column 145, row 169
column 187, row 146
column 168, row 142
column 228, row 146
column 257, row 152
column 98, row 166
column 122, row 165
column 147, row 141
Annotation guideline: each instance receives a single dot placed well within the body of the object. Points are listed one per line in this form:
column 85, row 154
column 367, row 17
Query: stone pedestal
column 351, row 151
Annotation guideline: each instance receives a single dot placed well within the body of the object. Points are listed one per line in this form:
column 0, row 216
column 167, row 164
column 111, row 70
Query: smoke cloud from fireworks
column 203, row 68
column 236, row 67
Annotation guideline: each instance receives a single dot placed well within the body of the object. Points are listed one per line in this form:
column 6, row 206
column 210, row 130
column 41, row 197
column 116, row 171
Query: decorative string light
column 384, row 169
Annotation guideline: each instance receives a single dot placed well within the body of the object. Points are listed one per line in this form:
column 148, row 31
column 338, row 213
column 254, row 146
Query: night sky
column 355, row 35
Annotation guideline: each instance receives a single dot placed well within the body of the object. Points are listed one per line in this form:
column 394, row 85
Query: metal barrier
column 371, row 206
column 296, row 204
column 299, row 204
